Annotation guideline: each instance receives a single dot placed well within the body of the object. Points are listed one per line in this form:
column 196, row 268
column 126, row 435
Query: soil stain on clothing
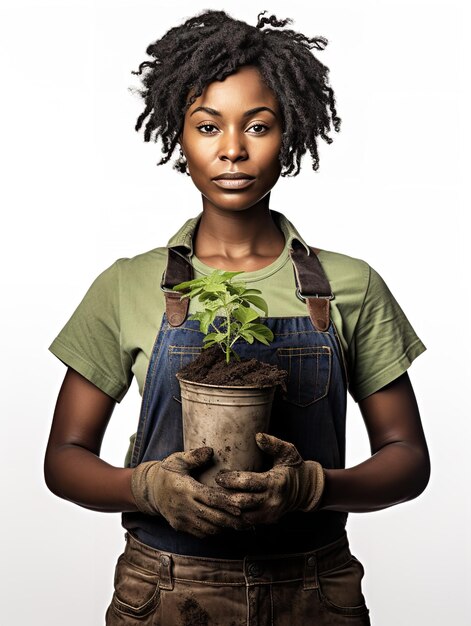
column 193, row 614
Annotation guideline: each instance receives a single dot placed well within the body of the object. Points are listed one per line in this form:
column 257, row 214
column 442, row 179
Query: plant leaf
column 215, row 288
column 249, row 338
column 205, row 318
column 257, row 301
column 189, row 284
column 208, row 344
column 219, row 276
column 212, row 305
column 244, row 314
column 193, row 293
column 262, row 339
column 215, row 337
column 226, row 301
column 260, row 330
column 236, row 288
column 251, row 292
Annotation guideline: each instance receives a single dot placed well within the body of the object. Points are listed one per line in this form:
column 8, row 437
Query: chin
column 235, row 202
column 234, row 207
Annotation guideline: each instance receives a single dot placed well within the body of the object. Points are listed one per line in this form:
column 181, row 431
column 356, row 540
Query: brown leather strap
column 319, row 312
column 179, row 270
column 311, row 282
column 176, row 309
column 312, row 285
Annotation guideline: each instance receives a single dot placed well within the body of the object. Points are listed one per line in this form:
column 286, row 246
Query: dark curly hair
column 213, row 45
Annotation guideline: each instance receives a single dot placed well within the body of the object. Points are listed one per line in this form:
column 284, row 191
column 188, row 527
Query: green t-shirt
column 110, row 336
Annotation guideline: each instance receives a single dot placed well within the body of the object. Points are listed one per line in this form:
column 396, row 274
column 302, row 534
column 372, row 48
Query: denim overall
column 311, row 414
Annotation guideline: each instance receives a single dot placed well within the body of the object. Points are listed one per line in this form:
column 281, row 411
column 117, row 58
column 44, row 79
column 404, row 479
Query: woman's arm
column 72, row 467
column 74, row 471
column 399, row 468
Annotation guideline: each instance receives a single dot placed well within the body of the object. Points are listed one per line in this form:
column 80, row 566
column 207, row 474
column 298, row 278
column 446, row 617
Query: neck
column 238, row 240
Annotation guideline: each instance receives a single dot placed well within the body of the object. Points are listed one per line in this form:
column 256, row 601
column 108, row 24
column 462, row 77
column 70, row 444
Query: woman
column 242, row 104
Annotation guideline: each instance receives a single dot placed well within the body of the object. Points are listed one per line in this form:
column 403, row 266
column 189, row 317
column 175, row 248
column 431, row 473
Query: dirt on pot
column 210, row 367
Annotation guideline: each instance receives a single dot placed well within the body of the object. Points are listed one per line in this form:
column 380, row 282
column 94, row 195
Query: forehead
column 242, row 90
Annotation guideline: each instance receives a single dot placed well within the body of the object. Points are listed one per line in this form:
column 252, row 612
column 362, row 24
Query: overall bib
column 301, row 547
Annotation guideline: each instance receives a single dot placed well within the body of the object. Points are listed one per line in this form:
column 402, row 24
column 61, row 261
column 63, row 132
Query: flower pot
column 226, row 419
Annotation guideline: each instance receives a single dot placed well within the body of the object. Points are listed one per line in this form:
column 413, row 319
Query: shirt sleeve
column 90, row 341
column 384, row 344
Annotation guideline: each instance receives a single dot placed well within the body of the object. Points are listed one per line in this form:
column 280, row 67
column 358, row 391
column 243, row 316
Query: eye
column 258, row 128
column 207, row 129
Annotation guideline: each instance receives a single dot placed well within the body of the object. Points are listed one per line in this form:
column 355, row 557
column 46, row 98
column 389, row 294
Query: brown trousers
column 317, row 588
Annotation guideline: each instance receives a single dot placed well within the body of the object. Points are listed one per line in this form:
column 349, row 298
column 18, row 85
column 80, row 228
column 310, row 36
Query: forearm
column 396, row 473
column 78, row 475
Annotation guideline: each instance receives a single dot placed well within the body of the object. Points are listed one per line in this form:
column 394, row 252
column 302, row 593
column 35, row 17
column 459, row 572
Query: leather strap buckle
column 303, row 297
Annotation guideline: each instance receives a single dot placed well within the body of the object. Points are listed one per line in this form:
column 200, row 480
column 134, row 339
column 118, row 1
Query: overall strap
column 178, row 270
column 312, row 285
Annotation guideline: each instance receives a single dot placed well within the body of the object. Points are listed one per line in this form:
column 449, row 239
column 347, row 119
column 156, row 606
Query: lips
column 233, row 180
column 233, row 176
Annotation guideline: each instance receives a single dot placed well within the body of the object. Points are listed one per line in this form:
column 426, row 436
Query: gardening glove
column 291, row 485
column 166, row 488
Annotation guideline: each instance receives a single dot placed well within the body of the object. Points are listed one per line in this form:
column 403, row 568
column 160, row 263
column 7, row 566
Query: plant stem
column 228, row 346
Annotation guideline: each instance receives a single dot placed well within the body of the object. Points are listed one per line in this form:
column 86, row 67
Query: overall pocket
column 178, row 357
column 340, row 589
column 309, row 369
column 136, row 590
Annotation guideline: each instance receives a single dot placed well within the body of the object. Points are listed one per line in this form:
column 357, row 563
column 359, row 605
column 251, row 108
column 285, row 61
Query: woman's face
column 233, row 130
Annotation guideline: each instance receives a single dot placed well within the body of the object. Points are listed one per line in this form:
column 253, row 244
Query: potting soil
column 210, row 367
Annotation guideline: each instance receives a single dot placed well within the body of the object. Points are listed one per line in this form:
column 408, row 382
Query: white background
column 80, row 189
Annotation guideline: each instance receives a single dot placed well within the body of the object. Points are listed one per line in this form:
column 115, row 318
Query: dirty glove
column 166, row 488
column 291, row 485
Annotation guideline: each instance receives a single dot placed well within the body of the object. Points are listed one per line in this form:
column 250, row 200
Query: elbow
column 50, row 474
column 420, row 475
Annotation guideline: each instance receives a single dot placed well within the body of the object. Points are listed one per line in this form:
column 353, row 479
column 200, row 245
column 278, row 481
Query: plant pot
column 226, row 419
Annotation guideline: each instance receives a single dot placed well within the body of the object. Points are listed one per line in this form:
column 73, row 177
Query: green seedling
column 233, row 301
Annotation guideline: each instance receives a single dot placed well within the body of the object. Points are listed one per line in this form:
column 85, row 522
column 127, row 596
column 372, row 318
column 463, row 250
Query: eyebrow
column 246, row 114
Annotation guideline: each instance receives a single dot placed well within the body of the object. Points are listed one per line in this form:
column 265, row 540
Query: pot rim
column 192, row 382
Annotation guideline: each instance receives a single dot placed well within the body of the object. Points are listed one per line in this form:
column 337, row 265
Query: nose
column 233, row 147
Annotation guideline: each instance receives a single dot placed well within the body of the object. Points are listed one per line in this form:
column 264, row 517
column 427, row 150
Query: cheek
column 192, row 148
column 269, row 154
column 270, row 162
column 199, row 158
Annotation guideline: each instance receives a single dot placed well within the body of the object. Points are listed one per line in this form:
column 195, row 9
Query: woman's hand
column 74, row 470
column 292, row 484
column 166, row 488
column 397, row 471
